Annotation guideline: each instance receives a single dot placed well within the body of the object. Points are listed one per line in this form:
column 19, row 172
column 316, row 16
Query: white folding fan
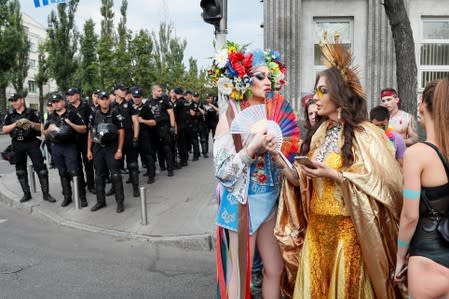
column 254, row 119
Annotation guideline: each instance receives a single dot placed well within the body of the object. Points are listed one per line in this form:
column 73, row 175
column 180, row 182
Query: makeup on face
column 320, row 91
column 262, row 76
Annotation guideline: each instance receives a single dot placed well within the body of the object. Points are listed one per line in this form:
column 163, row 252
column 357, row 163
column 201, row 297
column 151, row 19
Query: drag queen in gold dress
column 337, row 221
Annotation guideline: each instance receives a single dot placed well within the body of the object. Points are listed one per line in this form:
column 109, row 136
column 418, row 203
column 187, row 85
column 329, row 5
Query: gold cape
column 372, row 189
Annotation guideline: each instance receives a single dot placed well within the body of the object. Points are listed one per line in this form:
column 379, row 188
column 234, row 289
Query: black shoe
column 98, row 206
column 163, row 168
column 170, row 173
column 83, row 202
column 66, row 202
column 184, row 163
column 48, row 197
column 120, row 208
column 205, row 156
column 136, row 192
column 150, row 180
column 128, row 181
column 195, row 159
column 92, row 190
column 110, row 192
column 178, row 166
column 145, row 174
column 26, row 197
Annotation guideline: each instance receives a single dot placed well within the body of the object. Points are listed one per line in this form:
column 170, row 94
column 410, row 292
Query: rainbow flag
column 39, row 3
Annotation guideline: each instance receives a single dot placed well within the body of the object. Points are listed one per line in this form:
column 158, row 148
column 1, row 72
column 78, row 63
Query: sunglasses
column 262, row 76
column 321, row 91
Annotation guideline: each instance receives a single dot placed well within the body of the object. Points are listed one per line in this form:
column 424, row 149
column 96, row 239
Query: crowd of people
column 99, row 140
column 363, row 210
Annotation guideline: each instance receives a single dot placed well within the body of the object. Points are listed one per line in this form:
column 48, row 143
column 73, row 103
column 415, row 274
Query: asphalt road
column 39, row 259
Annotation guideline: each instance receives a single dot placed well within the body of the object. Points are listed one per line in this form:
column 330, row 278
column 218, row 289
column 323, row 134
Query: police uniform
column 162, row 132
column 104, row 129
column 84, row 110
column 65, row 152
column 25, row 143
column 183, row 118
column 146, row 146
column 211, row 118
column 126, row 110
column 197, row 129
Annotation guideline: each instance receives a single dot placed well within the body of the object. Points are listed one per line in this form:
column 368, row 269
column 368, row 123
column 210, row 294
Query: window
column 332, row 26
column 32, row 47
column 433, row 50
column 31, row 86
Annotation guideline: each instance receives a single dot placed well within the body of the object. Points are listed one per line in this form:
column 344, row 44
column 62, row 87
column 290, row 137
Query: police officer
column 183, row 119
column 199, row 125
column 146, row 122
column 24, row 126
column 60, row 128
column 84, row 109
column 211, row 116
column 131, row 126
column 104, row 146
column 165, row 129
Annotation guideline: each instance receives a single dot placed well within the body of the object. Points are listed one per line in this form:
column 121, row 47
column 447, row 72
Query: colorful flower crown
column 232, row 68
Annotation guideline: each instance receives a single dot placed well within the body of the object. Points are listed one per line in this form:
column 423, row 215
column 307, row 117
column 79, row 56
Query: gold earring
column 339, row 113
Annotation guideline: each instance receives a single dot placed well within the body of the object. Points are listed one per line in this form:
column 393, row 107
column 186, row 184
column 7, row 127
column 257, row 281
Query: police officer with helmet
column 60, row 129
column 23, row 125
column 83, row 109
column 105, row 146
column 131, row 128
column 146, row 122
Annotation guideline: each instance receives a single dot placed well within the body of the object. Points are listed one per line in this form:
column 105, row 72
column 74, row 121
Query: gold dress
column 343, row 235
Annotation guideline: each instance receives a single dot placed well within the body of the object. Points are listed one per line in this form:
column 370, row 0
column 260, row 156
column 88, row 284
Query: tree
column 62, row 44
column 122, row 69
column 169, row 54
column 19, row 70
column 89, row 64
column 106, row 45
column 404, row 46
column 142, row 60
column 8, row 50
column 42, row 76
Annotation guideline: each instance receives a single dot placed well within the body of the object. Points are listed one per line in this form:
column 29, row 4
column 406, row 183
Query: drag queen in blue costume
column 249, row 176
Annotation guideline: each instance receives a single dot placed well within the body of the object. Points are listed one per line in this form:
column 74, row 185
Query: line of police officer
column 99, row 136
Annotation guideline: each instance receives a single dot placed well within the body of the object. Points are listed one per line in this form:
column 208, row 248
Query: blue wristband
column 402, row 244
column 411, row 194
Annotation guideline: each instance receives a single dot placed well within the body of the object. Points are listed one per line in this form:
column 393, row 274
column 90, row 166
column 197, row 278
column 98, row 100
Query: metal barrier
column 76, row 195
column 143, row 206
column 32, row 178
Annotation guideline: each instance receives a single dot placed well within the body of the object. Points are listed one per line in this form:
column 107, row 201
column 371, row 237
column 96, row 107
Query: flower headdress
column 232, row 69
column 335, row 55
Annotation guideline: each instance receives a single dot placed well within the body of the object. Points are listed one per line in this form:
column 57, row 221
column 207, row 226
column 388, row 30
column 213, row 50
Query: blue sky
column 244, row 19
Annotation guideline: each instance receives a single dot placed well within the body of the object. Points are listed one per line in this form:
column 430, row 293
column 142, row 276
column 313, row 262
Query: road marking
column 3, row 220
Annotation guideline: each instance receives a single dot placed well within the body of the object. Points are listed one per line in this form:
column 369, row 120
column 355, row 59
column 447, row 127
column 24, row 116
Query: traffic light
column 212, row 12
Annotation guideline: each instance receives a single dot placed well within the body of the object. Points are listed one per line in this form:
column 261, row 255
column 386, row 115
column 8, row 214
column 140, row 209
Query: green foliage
column 88, row 72
column 106, row 45
column 62, row 44
column 122, row 57
column 13, row 48
column 143, row 68
column 42, row 76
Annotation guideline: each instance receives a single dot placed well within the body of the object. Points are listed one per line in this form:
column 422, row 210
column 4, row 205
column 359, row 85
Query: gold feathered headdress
column 335, row 55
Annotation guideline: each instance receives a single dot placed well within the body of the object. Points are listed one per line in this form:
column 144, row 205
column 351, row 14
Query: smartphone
column 304, row 160
column 404, row 269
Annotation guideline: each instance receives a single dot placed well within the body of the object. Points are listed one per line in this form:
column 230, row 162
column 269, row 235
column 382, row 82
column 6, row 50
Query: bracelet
column 402, row 244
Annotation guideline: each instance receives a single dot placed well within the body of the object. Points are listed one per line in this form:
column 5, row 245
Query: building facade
column 36, row 35
column 294, row 27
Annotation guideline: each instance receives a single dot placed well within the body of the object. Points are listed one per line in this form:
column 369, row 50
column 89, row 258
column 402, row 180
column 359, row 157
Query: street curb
column 200, row 242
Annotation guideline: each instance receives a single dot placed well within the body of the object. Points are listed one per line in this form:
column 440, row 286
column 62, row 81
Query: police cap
column 178, row 91
column 72, row 90
column 103, row 94
column 137, row 93
column 56, row 98
column 120, row 86
column 195, row 94
column 15, row 96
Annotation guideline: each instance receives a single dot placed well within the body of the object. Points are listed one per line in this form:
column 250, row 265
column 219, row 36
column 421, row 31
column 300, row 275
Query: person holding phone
column 247, row 176
column 421, row 246
column 349, row 194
